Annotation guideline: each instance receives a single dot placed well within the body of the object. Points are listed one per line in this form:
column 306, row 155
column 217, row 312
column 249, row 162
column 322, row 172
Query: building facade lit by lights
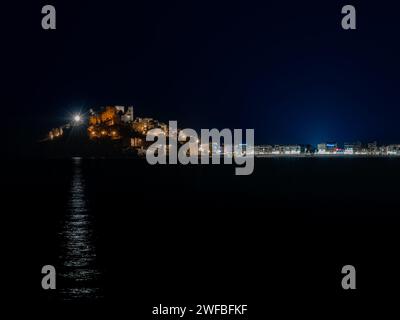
column 263, row 150
column 393, row 150
column 55, row 133
column 109, row 122
column 277, row 150
column 327, row 148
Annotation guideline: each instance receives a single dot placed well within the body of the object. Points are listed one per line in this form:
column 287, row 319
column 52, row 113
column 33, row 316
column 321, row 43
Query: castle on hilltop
column 116, row 123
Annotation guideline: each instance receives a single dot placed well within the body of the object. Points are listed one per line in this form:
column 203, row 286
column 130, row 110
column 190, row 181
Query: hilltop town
column 116, row 124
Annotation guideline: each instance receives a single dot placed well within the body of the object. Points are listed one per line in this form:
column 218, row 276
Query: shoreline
column 347, row 156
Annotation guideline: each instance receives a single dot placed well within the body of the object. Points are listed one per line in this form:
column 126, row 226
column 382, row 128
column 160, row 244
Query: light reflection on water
column 79, row 274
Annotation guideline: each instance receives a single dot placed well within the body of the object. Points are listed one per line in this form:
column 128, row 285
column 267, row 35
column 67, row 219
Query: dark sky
column 285, row 68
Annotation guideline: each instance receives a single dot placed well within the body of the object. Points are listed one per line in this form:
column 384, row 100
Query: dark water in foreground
column 122, row 231
column 77, row 249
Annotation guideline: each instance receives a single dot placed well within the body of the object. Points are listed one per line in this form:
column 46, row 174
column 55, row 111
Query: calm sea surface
column 114, row 227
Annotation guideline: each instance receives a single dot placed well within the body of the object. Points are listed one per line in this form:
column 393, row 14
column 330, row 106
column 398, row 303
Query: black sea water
column 121, row 230
column 78, row 266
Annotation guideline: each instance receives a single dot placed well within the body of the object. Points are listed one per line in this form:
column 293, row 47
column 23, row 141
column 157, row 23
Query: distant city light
column 119, row 122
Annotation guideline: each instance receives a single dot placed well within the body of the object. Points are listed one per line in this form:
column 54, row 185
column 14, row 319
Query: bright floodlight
column 77, row 118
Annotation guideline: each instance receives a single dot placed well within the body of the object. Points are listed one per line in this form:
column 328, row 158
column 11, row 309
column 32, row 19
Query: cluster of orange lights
column 102, row 133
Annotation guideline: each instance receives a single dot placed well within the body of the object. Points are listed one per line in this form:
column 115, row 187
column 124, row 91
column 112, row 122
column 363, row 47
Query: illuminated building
column 142, row 125
column 136, row 142
column 55, row 133
column 357, row 147
column 128, row 116
column 109, row 121
column 321, row 148
column 263, row 150
column 349, row 148
column 291, row 149
column 111, row 115
column 331, row 147
column 107, row 116
column 327, row 148
column 372, row 148
column 120, row 109
column 393, row 150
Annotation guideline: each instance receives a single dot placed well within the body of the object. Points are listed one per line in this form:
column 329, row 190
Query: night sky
column 285, row 68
